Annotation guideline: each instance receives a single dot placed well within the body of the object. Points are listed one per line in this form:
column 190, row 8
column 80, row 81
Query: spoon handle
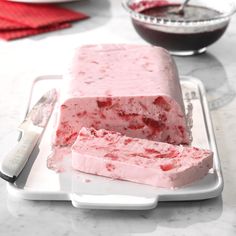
column 181, row 8
column 183, row 5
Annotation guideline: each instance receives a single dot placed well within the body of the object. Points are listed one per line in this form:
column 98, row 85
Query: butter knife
column 32, row 127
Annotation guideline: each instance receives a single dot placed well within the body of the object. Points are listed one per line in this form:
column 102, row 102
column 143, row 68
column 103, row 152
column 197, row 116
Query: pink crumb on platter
column 159, row 164
column 60, row 159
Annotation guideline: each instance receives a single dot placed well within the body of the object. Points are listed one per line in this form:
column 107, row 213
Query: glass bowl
column 182, row 35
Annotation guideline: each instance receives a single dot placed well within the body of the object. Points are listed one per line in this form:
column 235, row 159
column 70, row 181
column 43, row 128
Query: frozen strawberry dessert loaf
column 159, row 164
column 131, row 89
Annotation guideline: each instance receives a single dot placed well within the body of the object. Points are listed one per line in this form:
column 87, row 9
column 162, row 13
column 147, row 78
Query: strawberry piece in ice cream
column 110, row 154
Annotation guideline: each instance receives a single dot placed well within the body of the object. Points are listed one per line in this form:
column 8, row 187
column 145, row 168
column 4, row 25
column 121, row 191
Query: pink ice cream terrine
column 130, row 89
column 110, row 154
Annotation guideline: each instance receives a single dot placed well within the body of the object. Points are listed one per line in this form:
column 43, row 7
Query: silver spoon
column 180, row 9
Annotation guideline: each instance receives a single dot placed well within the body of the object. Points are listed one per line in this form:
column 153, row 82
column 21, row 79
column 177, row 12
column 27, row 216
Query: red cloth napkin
column 19, row 20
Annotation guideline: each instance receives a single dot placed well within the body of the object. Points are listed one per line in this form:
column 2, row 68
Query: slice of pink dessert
column 113, row 155
column 134, row 90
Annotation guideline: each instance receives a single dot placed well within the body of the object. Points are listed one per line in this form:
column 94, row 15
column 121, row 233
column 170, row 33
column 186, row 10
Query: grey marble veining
column 22, row 60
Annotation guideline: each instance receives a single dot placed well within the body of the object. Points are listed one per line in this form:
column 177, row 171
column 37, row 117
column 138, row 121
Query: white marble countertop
column 23, row 60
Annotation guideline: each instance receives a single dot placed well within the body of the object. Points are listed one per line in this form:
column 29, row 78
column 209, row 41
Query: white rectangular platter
column 37, row 182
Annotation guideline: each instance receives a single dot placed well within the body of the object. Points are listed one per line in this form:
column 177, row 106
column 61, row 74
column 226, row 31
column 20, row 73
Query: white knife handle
column 13, row 163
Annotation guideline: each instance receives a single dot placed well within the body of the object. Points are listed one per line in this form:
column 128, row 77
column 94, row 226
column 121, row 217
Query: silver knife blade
column 41, row 111
column 33, row 126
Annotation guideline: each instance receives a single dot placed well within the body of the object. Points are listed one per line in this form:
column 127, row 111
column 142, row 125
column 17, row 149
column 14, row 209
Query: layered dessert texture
column 159, row 164
column 130, row 89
